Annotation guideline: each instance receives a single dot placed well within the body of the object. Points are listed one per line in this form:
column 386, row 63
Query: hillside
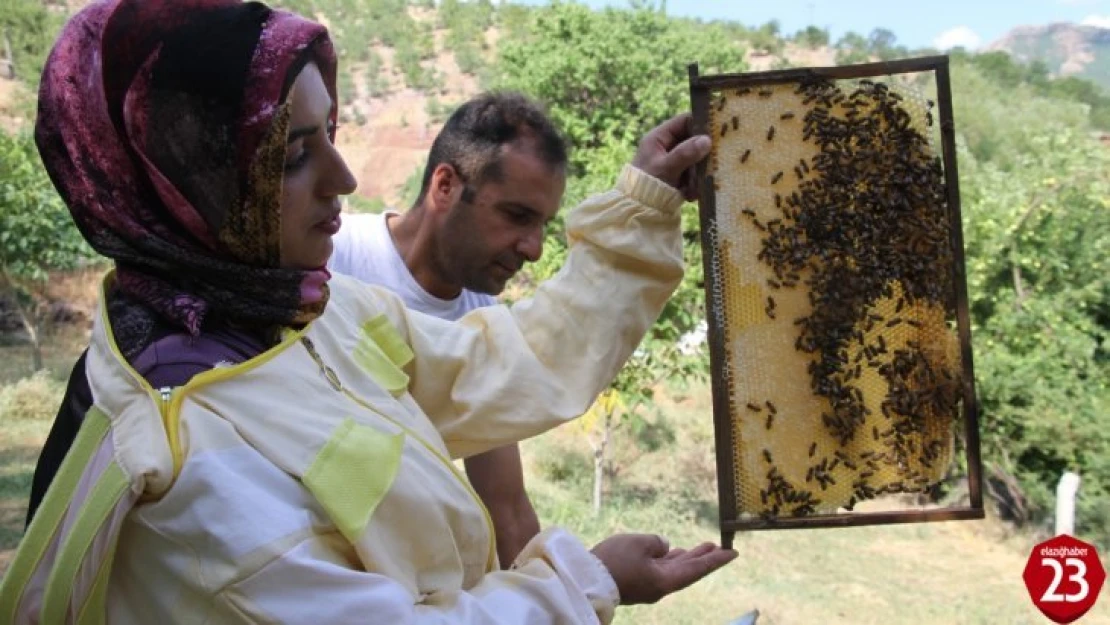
column 1065, row 49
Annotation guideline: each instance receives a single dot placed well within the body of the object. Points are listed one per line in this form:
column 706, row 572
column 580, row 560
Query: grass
column 961, row 572
column 966, row 572
column 61, row 347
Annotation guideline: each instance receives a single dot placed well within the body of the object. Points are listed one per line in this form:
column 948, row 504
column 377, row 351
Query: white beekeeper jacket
column 314, row 483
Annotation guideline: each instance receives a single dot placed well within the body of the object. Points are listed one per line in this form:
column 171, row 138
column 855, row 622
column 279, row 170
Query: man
column 494, row 178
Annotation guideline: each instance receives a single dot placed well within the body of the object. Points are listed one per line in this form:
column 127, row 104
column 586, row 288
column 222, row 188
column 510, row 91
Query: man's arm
column 498, row 478
column 503, row 374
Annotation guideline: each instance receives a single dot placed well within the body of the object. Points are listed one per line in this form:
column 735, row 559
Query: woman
column 264, row 443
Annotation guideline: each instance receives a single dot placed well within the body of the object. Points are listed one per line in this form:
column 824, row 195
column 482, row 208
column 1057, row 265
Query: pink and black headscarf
column 163, row 123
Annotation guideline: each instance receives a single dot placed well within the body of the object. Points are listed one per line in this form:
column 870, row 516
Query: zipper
column 329, row 373
column 333, row 380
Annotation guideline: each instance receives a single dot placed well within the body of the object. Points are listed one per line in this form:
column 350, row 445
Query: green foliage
column 346, row 88
column 34, row 398
column 37, row 234
column 1038, row 248
column 999, row 119
column 852, row 48
column 466, row 37
column 766, row 38
column 31, row 30
column 362, row 204
column 411, row 189
column 438, row 111
column 812, row 37
column 1033, row 80
column 599, row 79
column 513, row 20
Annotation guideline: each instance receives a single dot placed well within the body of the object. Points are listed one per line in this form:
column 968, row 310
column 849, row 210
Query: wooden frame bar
column 701, row 88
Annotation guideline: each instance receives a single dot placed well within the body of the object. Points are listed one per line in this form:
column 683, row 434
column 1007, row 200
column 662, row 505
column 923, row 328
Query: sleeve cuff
column 648, row 190
column 577, row 566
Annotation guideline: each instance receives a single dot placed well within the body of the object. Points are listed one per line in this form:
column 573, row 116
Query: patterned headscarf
column 163, row 124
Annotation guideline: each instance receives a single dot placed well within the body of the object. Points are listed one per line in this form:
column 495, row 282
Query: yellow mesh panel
column 833, row 284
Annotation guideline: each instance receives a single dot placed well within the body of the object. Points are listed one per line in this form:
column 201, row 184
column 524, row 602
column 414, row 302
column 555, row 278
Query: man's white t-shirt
column 365, row 250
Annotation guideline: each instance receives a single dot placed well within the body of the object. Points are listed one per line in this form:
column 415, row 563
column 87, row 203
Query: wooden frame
column 701, row 88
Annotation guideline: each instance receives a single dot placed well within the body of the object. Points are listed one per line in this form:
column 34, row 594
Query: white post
column 1065, row 503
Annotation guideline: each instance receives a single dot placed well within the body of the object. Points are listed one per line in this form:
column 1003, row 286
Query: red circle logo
column 1064, row 576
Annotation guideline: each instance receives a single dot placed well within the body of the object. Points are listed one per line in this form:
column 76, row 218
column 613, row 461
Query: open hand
column 646, row 569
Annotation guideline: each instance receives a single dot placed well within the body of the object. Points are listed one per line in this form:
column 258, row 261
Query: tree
column 852, row 48
column 881, row 43
column 812, row 37
column 612, row 73
column 37, row 234
column 1038, row 249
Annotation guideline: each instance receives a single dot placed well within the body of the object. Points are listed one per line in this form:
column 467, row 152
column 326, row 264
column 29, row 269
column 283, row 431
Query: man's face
column 484, row 242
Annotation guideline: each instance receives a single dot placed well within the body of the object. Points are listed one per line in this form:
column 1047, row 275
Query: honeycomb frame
column 736, row 456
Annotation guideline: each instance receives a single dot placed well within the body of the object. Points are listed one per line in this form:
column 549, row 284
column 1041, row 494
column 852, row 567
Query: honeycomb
column 833, row 284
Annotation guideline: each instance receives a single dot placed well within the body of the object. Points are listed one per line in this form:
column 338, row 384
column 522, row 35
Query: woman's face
column 315, row 176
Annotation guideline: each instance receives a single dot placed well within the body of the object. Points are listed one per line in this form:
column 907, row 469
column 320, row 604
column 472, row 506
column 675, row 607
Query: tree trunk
column 8, row 55
column 599, row 463
column 27, row 316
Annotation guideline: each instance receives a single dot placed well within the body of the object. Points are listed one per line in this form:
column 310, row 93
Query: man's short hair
column 472, row 138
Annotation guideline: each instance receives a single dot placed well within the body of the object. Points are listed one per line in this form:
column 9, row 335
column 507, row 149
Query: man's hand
column 646, row 569
column 670, row 151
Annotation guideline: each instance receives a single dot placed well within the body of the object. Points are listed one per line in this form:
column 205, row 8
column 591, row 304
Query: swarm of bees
column 837, row 291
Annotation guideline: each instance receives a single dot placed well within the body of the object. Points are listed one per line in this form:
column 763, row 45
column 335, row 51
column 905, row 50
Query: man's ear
column 445, row 189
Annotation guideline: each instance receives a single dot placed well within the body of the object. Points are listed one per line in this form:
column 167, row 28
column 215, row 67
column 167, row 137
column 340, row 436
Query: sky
column 940, row 24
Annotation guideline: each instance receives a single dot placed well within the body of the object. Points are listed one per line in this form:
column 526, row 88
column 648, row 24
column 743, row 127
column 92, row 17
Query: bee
column 812, row 449
column 787, row 115
column 770, row 406
column 767, row 456
column 766, row 93
column 770, row 420
column 754, row 407
column 735, row 122
column 745, row 155
column 724, row 129
column 776, row 178
column 771, row 133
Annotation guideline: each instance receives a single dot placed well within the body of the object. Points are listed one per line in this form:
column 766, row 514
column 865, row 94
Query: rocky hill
column 1065, row 49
